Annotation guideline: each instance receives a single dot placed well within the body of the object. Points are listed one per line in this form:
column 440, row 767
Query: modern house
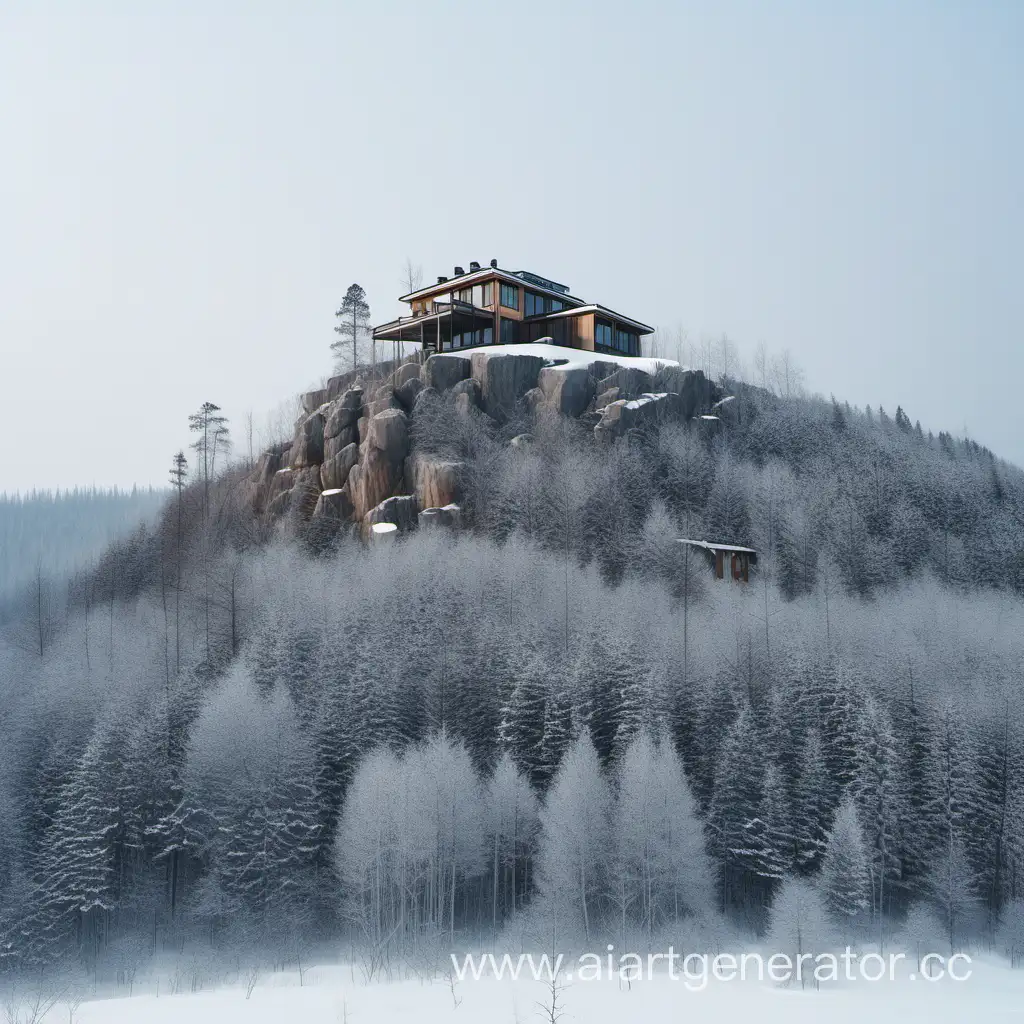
column 490, row 305
column 726, row 560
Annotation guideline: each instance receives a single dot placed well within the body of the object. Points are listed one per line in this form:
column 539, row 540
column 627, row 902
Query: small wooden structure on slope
column 738, row 559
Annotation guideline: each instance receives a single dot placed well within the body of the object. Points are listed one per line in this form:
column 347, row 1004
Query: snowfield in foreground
column 336, row 995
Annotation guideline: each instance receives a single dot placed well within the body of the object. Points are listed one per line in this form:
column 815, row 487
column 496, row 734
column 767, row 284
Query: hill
column 257, row 728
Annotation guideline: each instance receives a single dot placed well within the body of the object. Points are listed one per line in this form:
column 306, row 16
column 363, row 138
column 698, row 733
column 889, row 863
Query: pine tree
column 845, row 883
column 521, row 729
column 353, row 322
column 812, row 808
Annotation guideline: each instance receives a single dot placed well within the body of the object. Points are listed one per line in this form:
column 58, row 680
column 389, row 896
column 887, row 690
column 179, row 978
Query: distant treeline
column 59, row 532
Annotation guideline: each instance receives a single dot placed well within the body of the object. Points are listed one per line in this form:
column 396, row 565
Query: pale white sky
column 187, row 189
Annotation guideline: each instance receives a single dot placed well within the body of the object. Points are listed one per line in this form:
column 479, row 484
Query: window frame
column 506, row 291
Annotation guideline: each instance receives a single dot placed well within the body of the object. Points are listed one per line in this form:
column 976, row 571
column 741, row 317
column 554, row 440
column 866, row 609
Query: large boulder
column 312, row 400
column 434, row 481
column 335, row 470
column 450, row 516
column 343, row 413
column 334, row 445
column 441, row 371
column 696, row 393
column 568, row 390
column 308, row 447
column 471, row 387
column 504, row 379
column 385, row 400
column 389, row 432
column 334, row 504
column 371, row 481
column 408, row 391
column 279, row 505
column 623, row 415
column 400, row 509
column 630, row 380
column 406, row 373
column 606, row 398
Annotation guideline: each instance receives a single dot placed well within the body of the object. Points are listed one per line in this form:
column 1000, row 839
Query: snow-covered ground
column 565, row 356
column 338, row 995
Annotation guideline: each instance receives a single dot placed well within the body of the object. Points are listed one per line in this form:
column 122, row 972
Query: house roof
column 714, row 546
column 594, row 307
column 454, row 283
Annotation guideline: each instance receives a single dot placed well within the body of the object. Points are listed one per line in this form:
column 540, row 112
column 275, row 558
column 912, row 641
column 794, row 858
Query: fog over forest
column 237, row 736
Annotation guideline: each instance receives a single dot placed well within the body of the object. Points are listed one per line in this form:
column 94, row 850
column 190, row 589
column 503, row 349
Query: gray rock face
column 401, row 510
column 696, row 393
column 407, row 392
column 427, row 394
column 334, row 445
column 308, row 447
column 441, row 371
column 606, row 397
column 334, row 504
column 389, row 432
column 266, row 466
column 567, row 390
column 312, row 400
column 280, row 505
column 448, row 517
column 631, row 382
column 471, row 387
column 406, row 373
column 623, row 415
column 386, row 401
column 434, row 481
column 533, row 399
column 371, row 481
column 504, row 379
column 335, row 470
column 344, row 412
column 305, row 493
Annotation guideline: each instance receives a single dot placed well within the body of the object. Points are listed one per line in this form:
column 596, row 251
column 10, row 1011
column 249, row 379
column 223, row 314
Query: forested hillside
column 260, row 732
column 54, row 533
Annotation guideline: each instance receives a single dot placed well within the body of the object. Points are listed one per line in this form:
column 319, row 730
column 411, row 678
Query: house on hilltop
column 490, row 305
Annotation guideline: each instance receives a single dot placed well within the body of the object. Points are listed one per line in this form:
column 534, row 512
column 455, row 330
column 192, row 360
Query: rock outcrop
column 335, row 470
column 402, row 510
column 434, row 481
column 351, row 459
column 504, row 379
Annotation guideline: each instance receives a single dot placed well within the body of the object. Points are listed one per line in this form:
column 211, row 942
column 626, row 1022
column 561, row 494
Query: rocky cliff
column 351, row 461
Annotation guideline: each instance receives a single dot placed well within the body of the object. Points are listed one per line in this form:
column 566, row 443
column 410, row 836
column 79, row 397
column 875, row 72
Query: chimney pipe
column 473, row 266
column 494, row 264
column 459, row 271
column 441, row 279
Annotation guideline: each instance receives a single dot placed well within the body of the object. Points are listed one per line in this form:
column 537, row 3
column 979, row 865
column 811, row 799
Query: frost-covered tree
column 575, row 836
column 845, row 882
column 660, row 869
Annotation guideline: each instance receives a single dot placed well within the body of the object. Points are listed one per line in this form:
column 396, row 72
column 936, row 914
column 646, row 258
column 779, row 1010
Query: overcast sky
column 186, row 194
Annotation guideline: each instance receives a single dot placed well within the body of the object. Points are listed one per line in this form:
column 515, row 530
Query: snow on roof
column 596, row 307
column 714, row 546
column 561, row 356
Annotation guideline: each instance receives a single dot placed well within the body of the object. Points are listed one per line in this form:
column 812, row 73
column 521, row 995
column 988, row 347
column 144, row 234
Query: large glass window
column 538, row 305
column 510, row 296
column 483, row 294
column 464, row 295
column 508, row 331
column 603, row 334
column 626, row 342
